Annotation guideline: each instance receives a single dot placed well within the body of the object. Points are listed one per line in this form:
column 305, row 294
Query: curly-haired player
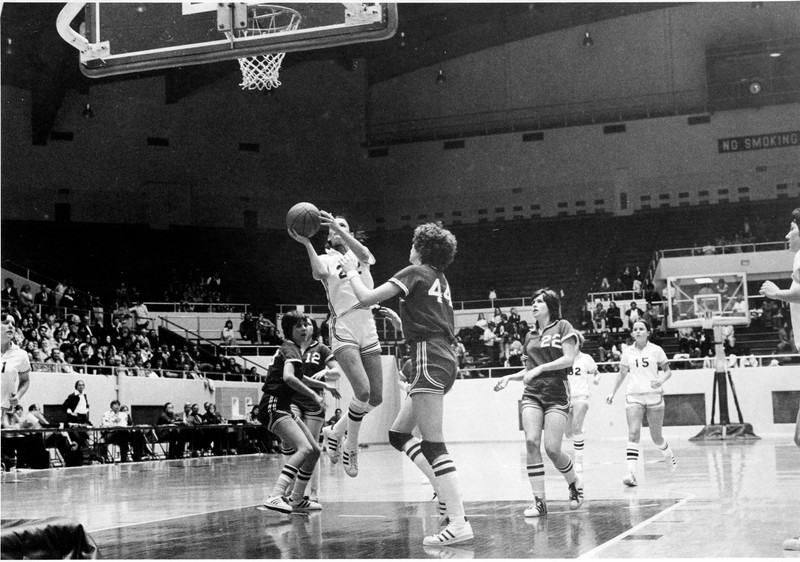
column 426, row 312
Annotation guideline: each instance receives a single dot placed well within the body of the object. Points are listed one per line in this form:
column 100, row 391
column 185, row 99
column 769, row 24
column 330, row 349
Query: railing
column 235, row 307
column 734, row 248
column 108, row 371
column 683, row 364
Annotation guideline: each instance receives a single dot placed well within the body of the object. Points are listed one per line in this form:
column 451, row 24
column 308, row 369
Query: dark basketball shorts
column 550, row 394
column 433, row 367
column 273, row 410
column 309, row 409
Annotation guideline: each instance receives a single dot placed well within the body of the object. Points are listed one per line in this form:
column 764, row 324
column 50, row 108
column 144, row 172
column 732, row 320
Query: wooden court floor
column 727, row 500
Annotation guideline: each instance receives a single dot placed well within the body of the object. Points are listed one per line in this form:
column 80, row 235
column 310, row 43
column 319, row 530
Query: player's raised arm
column 318, row 267
column 361, row 251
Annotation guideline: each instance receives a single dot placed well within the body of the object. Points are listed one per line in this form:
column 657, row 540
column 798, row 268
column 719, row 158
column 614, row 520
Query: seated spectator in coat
column 585, row 323
column 600, row 318
column 10, row 297
column 614, row 317
column 633, row 314
column 247, row 328
column 175, row 438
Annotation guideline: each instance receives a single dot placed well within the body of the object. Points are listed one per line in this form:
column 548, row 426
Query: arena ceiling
column 35, row 58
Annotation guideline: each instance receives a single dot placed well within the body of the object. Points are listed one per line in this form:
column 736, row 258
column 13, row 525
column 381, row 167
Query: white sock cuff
column 360, row 406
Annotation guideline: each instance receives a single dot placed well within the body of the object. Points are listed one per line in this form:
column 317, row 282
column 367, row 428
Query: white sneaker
column 350, row 463
column 792, row 544
column 304, row 506
column 278, row 503
column 332, row 444
column 630, row 480
column 452, row 534
column 537, row 509
column 672, row 464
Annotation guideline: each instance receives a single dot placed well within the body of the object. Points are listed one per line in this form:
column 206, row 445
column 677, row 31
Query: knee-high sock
column 287, row 476
column 300, row 484
column 633, row 456
column 577, row 444
column 536, row 478
column 666, row 450
column 355, row 414
column 567, row 468
column 450, row 491
column 314, row 482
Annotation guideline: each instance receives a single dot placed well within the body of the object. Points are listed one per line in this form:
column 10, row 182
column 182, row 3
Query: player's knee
column 398, row 440
column 432, row 450
column 375, row 400
column 533, row 442
column 634, row 435
column 553, row 451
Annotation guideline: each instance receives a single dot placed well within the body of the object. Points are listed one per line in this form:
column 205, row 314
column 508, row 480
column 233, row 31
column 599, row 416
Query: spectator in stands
column 584, row 323
column 633, row 314
column 638, row 281
column 141, row 316
column 515, row 351
column 44, row 299
column 25, row 298
column 523, row 329
column 461, row 351
column 215, row 437
column 492, row 294
column 10, row 296
column 228, row 335
column 489, row 340
column 600, row 318
column 247, row 328
column 614, row 317
column 650, row 294
column 67, row 301
column 115, row 418
column 605, row 286
column 626, row 278
column 721, row 287
column 651, row 317
column 481, row 321
column 619, row 288
column 498, row 316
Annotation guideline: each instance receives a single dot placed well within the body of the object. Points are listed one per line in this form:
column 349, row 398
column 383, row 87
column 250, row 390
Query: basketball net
column 260, row 72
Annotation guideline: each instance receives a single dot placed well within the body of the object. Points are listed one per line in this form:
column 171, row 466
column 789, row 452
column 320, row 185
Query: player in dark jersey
column 319, row 364
column 285, row 381
column 426, row 313
column 550, row 352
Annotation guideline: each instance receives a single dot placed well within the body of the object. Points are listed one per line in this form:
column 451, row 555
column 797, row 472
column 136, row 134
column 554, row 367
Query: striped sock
column 665, row 449
column 300, row 484
column 287, row 476
column 633, row 456
column 568, row 470
column 355, row 414
column 536, row 478
column 577, row 444
column 447, row 476
column 413, row 451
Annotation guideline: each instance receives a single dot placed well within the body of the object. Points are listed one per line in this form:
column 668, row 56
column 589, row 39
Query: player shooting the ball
column 353, row 335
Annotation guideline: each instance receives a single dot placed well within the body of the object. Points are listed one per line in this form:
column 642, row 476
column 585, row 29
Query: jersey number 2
column 436, row 291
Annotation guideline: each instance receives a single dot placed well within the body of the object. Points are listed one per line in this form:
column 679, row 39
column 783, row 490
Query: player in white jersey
column 792, row 296
column 354, row 338
column 15, row 376
column 645, row 392
column 578, row 379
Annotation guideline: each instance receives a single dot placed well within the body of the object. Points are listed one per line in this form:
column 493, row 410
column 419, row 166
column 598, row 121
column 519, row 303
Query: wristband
column 351, row 274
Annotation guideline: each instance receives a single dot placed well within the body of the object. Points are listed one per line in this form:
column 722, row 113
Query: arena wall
column 312, row 143
column 473, row 411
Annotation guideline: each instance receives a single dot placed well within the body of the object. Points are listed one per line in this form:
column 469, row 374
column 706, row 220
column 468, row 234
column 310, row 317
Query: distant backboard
column 722, row 296
column 120, row 38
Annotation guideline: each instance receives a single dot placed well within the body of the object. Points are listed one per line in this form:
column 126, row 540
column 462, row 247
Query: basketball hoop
column 260, row 72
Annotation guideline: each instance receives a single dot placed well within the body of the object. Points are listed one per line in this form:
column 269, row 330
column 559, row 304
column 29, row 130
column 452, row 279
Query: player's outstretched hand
column 297, row 237
column 596, row 379
column 349, row 263
column 769, row 289
column 501, row 384
column 327, row 219
column 334, row 391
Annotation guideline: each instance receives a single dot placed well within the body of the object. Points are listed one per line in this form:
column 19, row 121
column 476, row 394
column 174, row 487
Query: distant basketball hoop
column 260, row 72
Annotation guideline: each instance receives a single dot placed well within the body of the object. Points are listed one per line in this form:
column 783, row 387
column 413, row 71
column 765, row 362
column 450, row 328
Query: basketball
column 303, row 218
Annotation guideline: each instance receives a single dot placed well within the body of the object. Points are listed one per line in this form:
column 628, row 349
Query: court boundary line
column 635, row 528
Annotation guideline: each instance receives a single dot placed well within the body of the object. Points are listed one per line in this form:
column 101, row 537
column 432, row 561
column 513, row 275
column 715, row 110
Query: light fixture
column 587, row 40
column 87, row 112
column 775, row 54
column 755, row 87
column 402, row 40
column 440, row 76
column 8, row 50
